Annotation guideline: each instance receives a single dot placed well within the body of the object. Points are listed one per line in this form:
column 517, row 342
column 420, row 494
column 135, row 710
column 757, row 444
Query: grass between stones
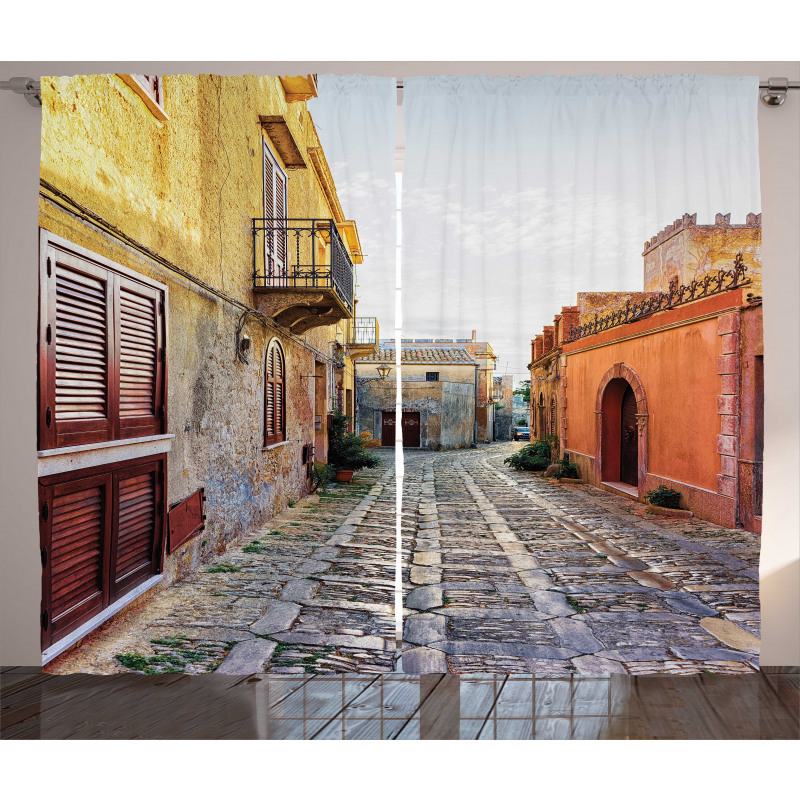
column 575, row 605
column 223, row 566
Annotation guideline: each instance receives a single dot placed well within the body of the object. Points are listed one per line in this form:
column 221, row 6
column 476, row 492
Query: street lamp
column 383, row 371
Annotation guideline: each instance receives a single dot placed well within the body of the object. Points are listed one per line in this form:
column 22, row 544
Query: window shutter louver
column 275, row 237
column 274, row 396
column 75, row 552
column 137, row 525
column 139, row 365
column 280, row 214
column 78, row 402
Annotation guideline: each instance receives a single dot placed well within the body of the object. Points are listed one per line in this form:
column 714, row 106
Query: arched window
column 540, row 432
column 275, row 395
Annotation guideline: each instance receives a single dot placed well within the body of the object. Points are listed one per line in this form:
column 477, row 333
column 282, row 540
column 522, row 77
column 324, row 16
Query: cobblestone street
column 515, row 573
column 502, row 572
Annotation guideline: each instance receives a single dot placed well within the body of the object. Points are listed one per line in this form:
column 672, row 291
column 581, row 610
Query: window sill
column 95, row 622
column 274, row 446
column 81, row 456
column 154, row 108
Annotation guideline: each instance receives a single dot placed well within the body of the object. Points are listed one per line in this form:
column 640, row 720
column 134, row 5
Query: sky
column 519, row 193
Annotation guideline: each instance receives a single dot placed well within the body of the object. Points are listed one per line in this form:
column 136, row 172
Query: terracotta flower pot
column 344, row 475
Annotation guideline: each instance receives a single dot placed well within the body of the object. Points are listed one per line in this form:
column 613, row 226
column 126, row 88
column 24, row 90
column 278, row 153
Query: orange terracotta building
column 665, row 386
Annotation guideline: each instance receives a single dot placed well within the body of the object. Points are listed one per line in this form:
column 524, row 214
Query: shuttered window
column 101, row 350
column 152, row 85
column 101, row 535
column 275, row 395
column 275, row 234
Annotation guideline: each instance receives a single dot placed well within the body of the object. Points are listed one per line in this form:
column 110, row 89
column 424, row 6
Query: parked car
column 522, row 433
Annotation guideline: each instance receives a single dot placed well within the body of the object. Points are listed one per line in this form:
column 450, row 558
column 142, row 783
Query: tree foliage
column 524, row 391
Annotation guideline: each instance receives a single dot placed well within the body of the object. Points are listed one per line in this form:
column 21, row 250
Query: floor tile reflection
column 397, row 706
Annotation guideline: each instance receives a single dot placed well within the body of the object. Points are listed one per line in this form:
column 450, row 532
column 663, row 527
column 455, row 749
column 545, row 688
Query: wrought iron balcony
column 302, row 272
column 365, row 337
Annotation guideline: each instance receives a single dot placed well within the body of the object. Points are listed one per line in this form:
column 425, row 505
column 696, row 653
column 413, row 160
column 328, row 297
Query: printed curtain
column 577, row 395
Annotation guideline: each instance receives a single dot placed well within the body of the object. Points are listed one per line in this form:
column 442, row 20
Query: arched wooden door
column 629, row 452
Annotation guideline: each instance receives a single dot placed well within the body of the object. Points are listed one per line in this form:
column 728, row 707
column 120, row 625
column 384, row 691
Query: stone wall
column 458, row 414
column 688, row 251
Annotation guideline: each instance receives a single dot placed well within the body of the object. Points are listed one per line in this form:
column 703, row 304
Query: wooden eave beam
column 320, row 164
column 299, row 87
column 279, row 133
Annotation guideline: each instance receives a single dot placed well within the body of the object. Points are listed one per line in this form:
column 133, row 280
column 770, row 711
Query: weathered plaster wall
column 187, row 188
column 504, row 416
column 545, row 386
column 683, row 424
column 694, row 251
column 591, row 304
column 458, row 414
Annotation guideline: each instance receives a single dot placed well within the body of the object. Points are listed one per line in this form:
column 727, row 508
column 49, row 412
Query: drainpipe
column 475, row 412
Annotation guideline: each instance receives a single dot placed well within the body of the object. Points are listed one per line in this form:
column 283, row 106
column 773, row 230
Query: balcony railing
column 366, row 331
column 299, row 254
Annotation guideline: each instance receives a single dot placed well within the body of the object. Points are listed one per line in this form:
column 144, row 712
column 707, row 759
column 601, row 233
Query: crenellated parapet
column 686, row 252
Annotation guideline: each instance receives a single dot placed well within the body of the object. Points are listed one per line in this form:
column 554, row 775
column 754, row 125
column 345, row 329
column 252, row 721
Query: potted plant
column 665, row 501
column 347, row 452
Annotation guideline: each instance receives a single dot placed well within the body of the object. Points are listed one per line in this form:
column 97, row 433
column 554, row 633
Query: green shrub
column 322, row 475
column 347, row 450
column 567, row 469
column 533, row 457
column 664, row 497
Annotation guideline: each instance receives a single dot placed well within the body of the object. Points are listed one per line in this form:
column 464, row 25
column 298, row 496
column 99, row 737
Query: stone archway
column 610, row 436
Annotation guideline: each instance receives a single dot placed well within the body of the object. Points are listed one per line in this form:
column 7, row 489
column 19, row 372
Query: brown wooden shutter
column 75, row 344
column 275, row 396
column 101, row 352
column 140, row 365
column 137, row 525
column 280, row 386
column 269, row 214
column 280, row 214
column 102, row 533
column 76, row 518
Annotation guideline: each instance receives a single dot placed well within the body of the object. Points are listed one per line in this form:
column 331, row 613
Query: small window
column 150, row 89
column 275, row 395
column 432, row 376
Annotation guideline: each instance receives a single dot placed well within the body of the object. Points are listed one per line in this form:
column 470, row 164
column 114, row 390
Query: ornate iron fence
column 302, row 254
column 708, row 285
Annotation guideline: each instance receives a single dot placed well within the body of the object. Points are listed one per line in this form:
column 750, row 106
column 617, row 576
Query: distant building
column 666, row 386
column 547, row 391
column 439, row 389
column 522, row 410
column 505, row 415
column 483, row 354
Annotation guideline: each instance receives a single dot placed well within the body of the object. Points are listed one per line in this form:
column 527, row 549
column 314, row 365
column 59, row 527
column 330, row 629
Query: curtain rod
column 773, row 90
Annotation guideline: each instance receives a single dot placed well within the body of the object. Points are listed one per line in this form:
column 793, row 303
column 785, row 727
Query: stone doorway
column 621, row 408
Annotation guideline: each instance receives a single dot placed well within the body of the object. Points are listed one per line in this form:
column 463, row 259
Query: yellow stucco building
column 197, row 326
